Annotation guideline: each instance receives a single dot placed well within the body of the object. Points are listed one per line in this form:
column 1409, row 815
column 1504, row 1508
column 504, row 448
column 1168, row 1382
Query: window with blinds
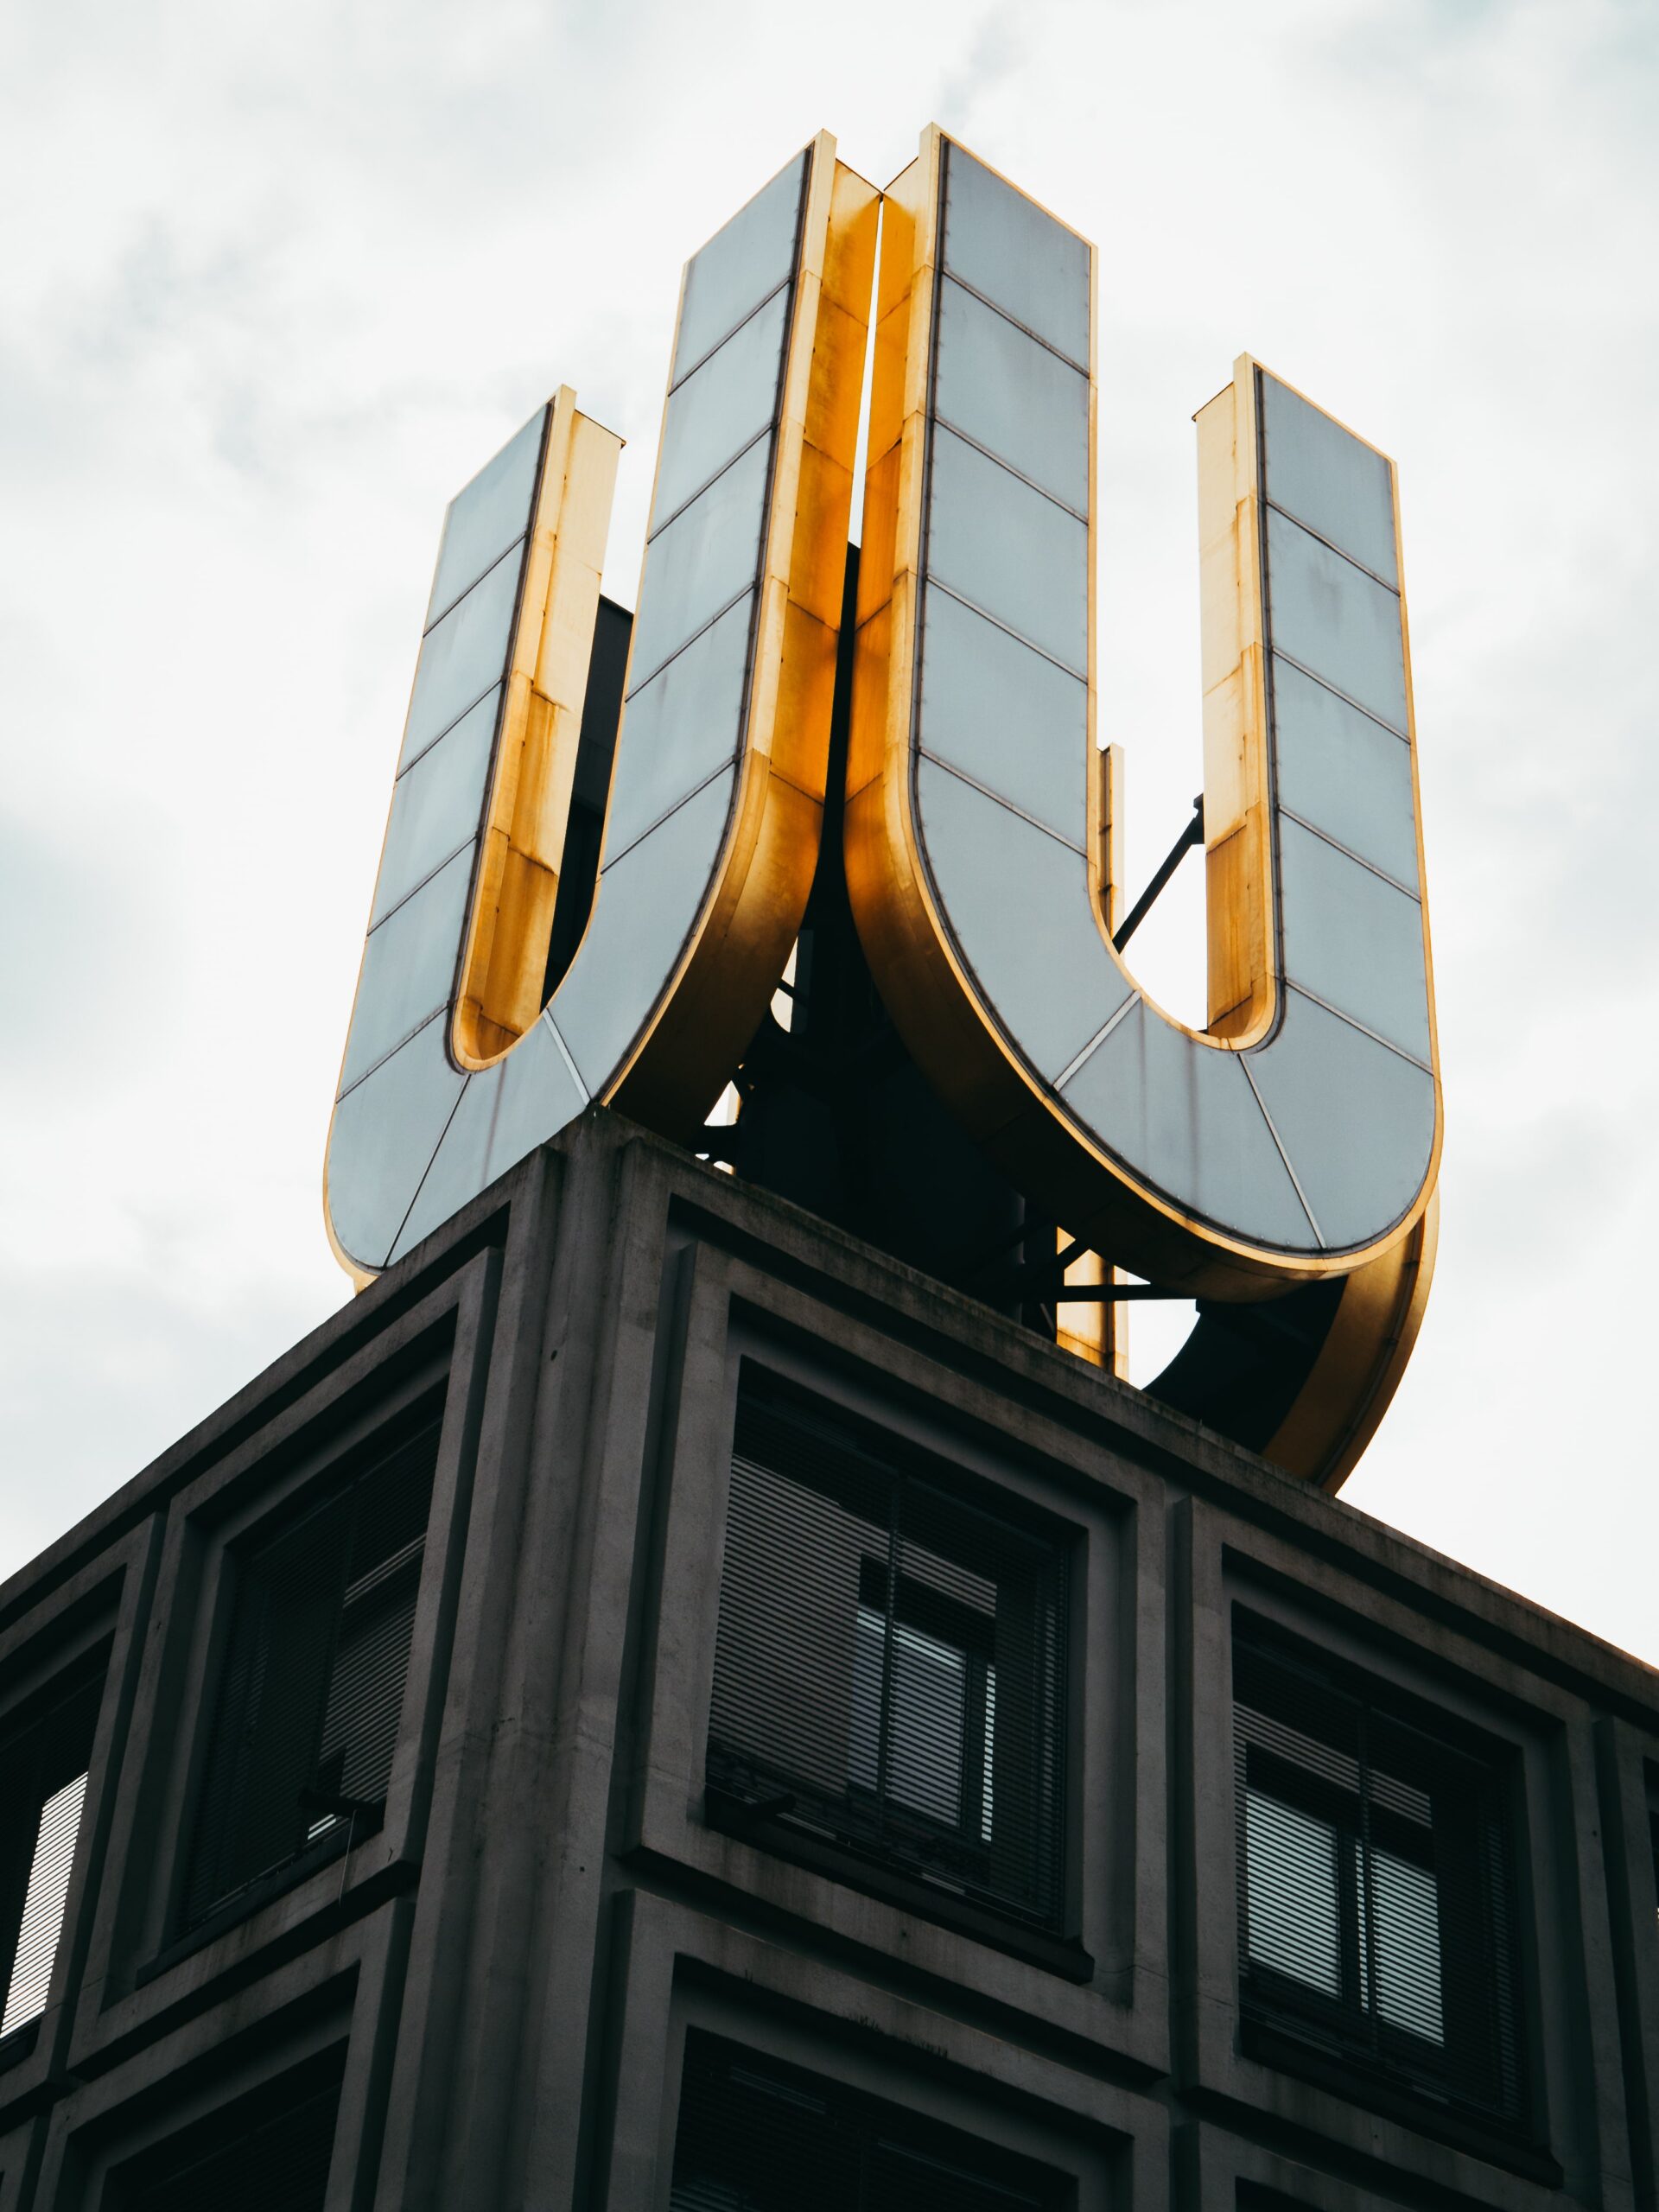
column 312, row 1680
column 1377, row 1891
column 268, row 2153
column 891, row 1660
column 755, row 2135
column 43, row 1764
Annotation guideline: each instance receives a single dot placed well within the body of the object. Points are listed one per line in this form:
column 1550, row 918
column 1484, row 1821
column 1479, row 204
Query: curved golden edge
column 921, row 980
column 708, row 1013
column 1362, row 1360
column 516, row 880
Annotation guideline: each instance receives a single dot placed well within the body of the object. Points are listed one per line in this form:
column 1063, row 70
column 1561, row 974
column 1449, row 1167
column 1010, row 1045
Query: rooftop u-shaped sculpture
column 1299, row 1138
column 1295, row 1142
column 453, row 1070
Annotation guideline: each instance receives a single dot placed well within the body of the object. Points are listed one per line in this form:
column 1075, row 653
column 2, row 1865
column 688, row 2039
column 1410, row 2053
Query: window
column 312, row 1679
column 890, row 1666
column 755, row 2135
column 1376, row 1892
column 268, row 2152
column 44, row 1764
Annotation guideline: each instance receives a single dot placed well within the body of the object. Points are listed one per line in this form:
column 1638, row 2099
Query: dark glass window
column 43, row 1789
column 268, row 2152
column 1377, row 1905
column 312, row 1680
column 890, row 1667
column 755, row 2135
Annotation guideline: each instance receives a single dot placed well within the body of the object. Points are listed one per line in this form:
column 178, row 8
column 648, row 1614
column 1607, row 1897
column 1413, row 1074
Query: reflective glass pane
column 505, row 1112
column 1020, row 912
column 927, row 1716
column 39, row 1932
column 1010, row 551
column 648, row 903
column 383, row 1136
column 409, row 966
column 1356, row 1119
column 1335, row 620
column 1005, row 716
column 699, row 563
column 1005, row 246
column 489, row 516
column 1328, row 479
column 437, row 804
column 462, row 656
column 1353, row 940
column 1011, row 395
column 679, row 727
column 1343, row 772
column 1290, row 1868
column 1406, row 1946
column 1181, row 1117
column 730, row 276
column 716, row 411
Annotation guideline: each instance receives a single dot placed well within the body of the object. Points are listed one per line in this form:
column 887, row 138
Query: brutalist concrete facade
column 501, row 1978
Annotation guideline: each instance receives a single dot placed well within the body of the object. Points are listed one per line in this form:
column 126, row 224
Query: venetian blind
column 1376, row 1909
column 890, row 1663
column 44, row 1764
column 312, row 1685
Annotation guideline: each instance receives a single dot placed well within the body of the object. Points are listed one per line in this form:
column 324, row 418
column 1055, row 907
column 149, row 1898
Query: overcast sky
column 277, row 278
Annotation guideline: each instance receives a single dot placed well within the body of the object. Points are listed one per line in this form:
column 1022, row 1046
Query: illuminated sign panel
column 1296, row 1141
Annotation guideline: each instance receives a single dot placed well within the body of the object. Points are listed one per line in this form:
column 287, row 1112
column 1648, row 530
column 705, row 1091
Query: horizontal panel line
column 938, row 583
column 748, row 447
column 1347, row 852
column 635, row 843
column 1335, row 690
column 408, row 1038
column 702, row 628
column 996, row 799
column 494, row 683
column 702, row 360
column 1331, row 546
column 1386, row 1043
column 511, row 545
column 1002, row 461
column 1006, row 314
column 471, row 838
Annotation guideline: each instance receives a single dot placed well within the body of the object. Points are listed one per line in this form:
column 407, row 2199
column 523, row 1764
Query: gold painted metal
column 733, row 960
column 1237, row 828
column 511, row 919
column 1362, row 1360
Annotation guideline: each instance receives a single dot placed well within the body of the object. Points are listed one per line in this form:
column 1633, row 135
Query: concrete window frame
column 1628, row 1762
column 731, row 1309
column 1567, row 1995
column 344, row 1997
column 681, row 1970
column 104, row 1604
column 1215, row 2172
column 137, row 1973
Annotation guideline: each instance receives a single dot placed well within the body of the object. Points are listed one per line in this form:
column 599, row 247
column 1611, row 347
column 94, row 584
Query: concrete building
column 659, row 1703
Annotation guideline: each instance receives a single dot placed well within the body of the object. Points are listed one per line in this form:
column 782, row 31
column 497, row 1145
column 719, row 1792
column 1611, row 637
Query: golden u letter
column 1292, row 1148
